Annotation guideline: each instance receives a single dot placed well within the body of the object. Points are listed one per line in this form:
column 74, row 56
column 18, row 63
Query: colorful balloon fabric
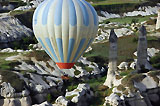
column 65, row 29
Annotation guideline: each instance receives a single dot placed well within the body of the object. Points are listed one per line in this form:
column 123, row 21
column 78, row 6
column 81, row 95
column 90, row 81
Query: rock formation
column 11, row 29
column 11, row 98
column 158, row 20
column 112, row 71
column 142, row 62
column 146, row 93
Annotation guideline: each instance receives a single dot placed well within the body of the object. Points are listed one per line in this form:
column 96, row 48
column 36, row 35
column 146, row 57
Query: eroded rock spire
column 112, row 66
column 142, row 62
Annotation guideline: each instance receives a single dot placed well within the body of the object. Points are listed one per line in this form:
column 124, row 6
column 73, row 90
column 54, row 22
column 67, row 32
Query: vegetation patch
column 49, row 98
column 70, row 97
column 119, row 94
column 13, row 79
column 118, row 77
column 126, row 92
column 49, row 66
column 155, row 61
column 23, row 43
column 154, row 74
column 9, row 65
column 130, row 20
column 109, row 91
column 126, row 72
column 25, row 17
column 39, row 55
column 129, row 80
column 96, row 85
column 80, row 64
column 88, row 69
column 29, row 62
column 121, row 88
column 126, row 48
column 76, row 72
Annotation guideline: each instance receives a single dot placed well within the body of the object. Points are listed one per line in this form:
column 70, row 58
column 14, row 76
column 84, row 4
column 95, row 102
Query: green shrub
column 129, row 80
column 80, row 64
column 29, row 62
column 70, row 97
column 125, row 72
column 40, row 55
column 9, row 65
column 121, row 87
column 154, row 75
column 155, row 61
column 134, row 20
column 88, row 69
column 135, row 40
column 72, row 87
column 13, row 79
column 109, row 91
column 16, row 12
column 76, row 72
column 23, row 43
column 49, row 98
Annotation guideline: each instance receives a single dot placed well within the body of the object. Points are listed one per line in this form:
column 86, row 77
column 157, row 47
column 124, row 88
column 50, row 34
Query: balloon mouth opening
column 65, row 65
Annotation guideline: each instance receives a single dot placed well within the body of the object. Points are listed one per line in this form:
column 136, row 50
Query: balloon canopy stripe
column 70, row 48
column 72, row 13
column 46, row 11
column 84, row 12
column 60, row 48
column 93, row 12
column 58, row 13
column 51, row 48
column 79, row 48
column 90, row 41
column 40, row 40
column 35, row 18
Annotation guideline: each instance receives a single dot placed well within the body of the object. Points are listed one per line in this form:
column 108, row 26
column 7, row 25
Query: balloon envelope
column 65, row 29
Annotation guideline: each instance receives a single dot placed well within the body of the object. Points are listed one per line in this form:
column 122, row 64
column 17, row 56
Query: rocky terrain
column 28, row 77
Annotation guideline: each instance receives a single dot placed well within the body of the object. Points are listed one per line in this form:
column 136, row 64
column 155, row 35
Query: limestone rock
column 7, row 50
column 113, row 100
column 23, row 8
column 152, row 52
column 36, row 2
column 24, row 101
column 61, row 101
column 80, row 95
column 7, row 90
column 133, row 64
column 11, row 29
column 123, row 65
column 43, row 104
column 158, row 20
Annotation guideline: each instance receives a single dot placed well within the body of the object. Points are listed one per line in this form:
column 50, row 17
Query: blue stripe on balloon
column 70, row 48
column 79, row 48
column 37, row 12
column 41, row 42
column 90, row 41
column 72, row 13
column 84, row 12
column 93, row 12
column 60, row 48
column 46, row 11
column 51, row 48
column 58, row 13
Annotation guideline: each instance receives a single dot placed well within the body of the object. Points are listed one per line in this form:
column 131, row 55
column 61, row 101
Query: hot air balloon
column 65, row 29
